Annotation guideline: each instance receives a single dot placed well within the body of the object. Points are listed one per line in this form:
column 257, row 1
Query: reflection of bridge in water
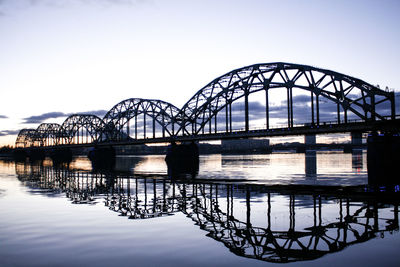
column 266, row 223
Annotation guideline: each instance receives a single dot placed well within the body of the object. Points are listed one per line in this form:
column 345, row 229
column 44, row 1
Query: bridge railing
column 297, row 125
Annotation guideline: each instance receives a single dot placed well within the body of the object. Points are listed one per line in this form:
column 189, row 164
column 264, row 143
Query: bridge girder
column 25, row 138
column 163, row 113
column 81, row 126
column 46, row 134
column 351, row 95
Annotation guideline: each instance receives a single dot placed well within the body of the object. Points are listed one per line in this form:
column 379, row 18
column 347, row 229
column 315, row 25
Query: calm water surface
column 236, row 212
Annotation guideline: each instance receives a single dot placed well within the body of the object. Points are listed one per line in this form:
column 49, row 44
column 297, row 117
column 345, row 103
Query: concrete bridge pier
column 182, row 159
column 31, row 153
column 36, row 153
column 383, row 160
column 309, row 144
column 310, row 155
column 102, row 158
column 310, row 141
column 355, row 144
column 61, row 155
column 20, row 154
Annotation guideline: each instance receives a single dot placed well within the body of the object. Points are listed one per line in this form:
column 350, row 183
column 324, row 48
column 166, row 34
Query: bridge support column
column 230, row 116
column 61, row 155
column 356, row 143
column 102, row 158
column 20, row 154
column 36, row 153
column 182, row 159
column 310, row 155
column 383, row 159
column 246, row 111
column 309, row 142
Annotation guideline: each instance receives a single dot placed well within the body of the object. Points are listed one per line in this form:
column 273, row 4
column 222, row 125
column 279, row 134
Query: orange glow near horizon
column 8, row 140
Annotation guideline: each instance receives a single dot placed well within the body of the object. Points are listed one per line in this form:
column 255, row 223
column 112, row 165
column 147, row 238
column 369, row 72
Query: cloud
column 99, row 113
column 301, row 110
column 56, row 114
column 43, row 117
column 9, row 132
column 3, row 117
column 256, row 111
column 301, row 99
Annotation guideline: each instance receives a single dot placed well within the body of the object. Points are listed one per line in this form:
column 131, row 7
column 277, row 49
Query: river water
column 302, row 209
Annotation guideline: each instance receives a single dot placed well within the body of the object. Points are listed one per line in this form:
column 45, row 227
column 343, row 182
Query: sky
column 59, row 57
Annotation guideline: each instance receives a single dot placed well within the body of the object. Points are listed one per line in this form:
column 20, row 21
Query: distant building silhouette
column 245, row 145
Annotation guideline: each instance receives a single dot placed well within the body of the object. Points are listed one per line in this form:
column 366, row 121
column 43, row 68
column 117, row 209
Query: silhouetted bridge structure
column 261, row 100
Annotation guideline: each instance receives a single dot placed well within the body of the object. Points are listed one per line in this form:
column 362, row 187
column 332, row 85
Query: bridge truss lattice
column 262, row 96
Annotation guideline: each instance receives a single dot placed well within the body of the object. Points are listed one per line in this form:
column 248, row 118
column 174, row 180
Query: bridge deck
column 382, row 126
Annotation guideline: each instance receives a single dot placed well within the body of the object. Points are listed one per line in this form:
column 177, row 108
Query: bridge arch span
column 47, row 134
column 25, row 138
column 81, row 129
column 162, row 114
column 322, row 95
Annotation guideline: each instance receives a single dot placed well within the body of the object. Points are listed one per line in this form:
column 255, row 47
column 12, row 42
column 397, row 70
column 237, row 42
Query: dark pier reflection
column 357, row 160
column 311, row 164
column 269, row 223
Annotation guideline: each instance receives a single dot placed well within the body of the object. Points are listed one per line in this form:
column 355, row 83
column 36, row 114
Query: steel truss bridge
column 274, row 99
column 228, row 212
